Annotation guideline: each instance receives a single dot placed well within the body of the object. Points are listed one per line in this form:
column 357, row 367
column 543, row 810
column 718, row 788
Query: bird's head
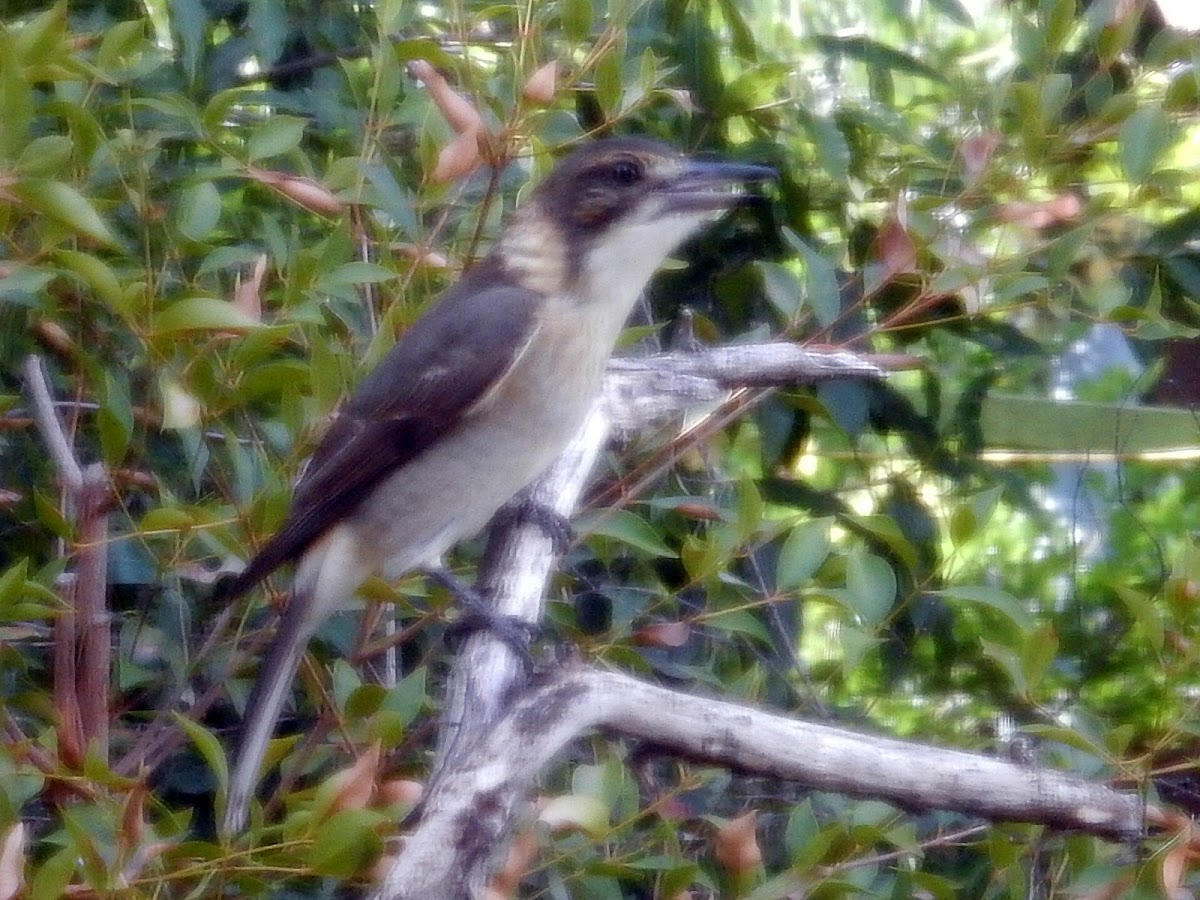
column 615, row 209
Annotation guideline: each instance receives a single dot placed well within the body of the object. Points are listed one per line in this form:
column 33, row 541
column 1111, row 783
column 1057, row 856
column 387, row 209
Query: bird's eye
column 626, row 171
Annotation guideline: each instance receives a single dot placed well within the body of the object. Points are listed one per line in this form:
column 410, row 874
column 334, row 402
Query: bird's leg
column 478, row 615
column 524, row 510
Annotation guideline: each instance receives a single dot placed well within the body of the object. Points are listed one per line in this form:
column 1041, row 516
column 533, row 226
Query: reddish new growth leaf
column 54, row 338
column 422, row 256
column 542, row 85
column 133, row 819
column 457, row 110
column 894, row 249
column 12, row 862
column 1040, row 214
column 1175, row 862
column 400, row 792
column 306, row 192
column 663, row 634
column 247, row 296
column 522, row 854
column 461, row 156
column 703, row 512
column 736, row 846
column 355, row 785
column 458, row 158
column 976, row 152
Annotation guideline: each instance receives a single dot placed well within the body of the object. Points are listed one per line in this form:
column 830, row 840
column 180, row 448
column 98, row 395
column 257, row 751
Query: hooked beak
column 712, row 186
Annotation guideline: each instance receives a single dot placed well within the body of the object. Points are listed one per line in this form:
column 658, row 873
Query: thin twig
column 49, row 425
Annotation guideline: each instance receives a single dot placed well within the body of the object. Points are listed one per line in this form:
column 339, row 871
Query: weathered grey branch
column 641, row 390
column 499, row 733
column 470, row 806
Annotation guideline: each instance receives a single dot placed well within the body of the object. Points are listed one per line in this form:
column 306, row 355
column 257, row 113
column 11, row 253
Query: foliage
column 218, row 214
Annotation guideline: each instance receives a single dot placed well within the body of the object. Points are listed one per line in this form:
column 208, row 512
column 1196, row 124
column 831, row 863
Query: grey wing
column 426, row 385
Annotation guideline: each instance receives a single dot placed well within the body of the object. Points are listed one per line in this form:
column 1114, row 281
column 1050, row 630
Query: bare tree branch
column 83, row 667
column 641, row 390
column 498, row 733
column 470, row 807
column 49, row 425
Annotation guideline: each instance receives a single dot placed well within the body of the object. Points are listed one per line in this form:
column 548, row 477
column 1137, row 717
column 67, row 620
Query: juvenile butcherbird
column 477, row 397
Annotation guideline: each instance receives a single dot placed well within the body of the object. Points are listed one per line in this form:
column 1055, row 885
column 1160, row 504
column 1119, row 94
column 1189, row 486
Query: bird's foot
column 524, row 510
column 517, row 634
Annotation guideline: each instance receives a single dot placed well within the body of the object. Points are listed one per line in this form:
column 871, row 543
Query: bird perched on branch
column 478, row 397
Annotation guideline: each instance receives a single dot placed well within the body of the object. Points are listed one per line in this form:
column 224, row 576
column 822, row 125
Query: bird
column 477, row 397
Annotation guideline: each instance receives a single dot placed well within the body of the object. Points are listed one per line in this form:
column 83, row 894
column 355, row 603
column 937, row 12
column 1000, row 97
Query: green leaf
column 874, row 54
column 354, row 273
column 969, row 517
column 870, row 587
column 208, row 746
column 1144, row 137
column 180, row 408
column 12, row 584
column 758, row 86
column 96, row 274
column 954, row 11
column 1146, row 613
column 22, row 285
column 1055, row 91
column 1038, row 652
column 115, row 418
column 993, row 598
column 120, row 42
column 203, row 314
column 277, row 135
column 198, row 210
column 576, row 16
column 63, row 203
column 345, row 843
column 740, row 621
column 749, row 509
column 820, row 281
column 167, row 518
column 1007, row 660
column 1058, row 19
column 833, row 151
column 408, row 697
column 45, row 156
column 51, row 877
column 628, row 528
column 781, row 287
column 805, row 549
column 608, row 82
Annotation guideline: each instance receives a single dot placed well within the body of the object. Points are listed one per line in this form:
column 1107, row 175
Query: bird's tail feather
column 262, row 712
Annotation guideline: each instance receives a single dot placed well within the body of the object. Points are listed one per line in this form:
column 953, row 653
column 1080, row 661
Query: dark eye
column 626, row 171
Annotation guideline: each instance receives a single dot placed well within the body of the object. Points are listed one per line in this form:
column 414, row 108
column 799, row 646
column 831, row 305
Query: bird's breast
column 512, row 435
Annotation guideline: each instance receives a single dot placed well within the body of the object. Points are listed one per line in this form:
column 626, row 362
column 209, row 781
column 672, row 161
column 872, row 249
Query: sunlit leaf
column 203, row 314
column 63, row 203
column 993, row 598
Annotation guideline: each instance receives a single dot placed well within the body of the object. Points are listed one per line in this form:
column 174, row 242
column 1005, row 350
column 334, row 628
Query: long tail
column 330, row 571
column 262, row 712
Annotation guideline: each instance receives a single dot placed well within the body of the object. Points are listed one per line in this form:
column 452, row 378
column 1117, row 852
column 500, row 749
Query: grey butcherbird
column 478, row 397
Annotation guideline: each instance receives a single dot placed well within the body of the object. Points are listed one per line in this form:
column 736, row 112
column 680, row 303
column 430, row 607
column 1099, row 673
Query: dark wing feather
column 421, row 390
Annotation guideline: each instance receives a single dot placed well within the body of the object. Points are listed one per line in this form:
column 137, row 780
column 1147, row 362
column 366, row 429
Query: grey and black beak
column 703, row 185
